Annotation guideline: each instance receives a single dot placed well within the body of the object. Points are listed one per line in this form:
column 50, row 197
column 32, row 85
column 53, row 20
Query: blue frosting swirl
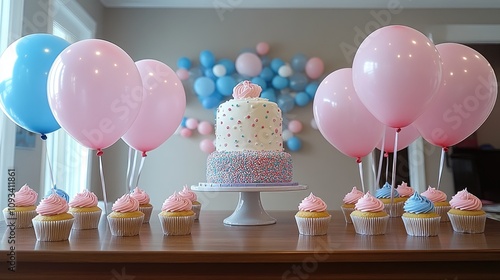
column 418, row 204
column 59, row 192
column 385, row 192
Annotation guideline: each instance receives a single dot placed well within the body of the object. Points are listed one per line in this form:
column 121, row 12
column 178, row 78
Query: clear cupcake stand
column 249, row 211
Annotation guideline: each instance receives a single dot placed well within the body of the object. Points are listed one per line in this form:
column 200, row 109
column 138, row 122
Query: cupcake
column 384, row 194
column 84, row 208
column 53, row 222
column 176, row 216
column 466, row 214
column 419, row 218
column 144, row 205
column 350, row 200
column 126, row 219
column 440, row 203
column 24, row 208
column 189, row 194
column 405, row 191
column 369, row 216
column 312, row 218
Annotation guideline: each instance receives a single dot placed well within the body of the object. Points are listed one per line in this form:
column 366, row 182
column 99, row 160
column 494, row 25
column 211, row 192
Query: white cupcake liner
column 22, row 218
column 52, row 230
column 196, row 209
column 397, row 209
column 313, row 226
column 467, row 224
column 177, row 225
column 370, row 226
column 347, row 213
column 147, row 213
column 125, row 226
column 86, row 220
column 421, row 226
column 443, row 211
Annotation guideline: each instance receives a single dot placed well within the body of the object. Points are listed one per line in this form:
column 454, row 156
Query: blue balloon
column 270, row 94
column 276, row 63
column 311, row 89
column 229, row 64
column 204, row 86
column 286, row 102
column 299, row 62
column 210, row 102
column 302, row 99
column 260, row 81
column 280, row 82
column 210, row 73
column 59, row 192
column 225, row 85
column 267, row 74
column 298, row 82
column 183, row 122
column 184, row 63
column 294, row 143
column 24, row 69
column 207, row 59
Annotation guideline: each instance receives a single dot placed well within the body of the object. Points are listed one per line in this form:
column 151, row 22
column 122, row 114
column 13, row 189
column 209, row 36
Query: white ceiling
column 302, row 4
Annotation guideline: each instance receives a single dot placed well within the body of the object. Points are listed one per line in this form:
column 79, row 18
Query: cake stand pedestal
column 249, row 211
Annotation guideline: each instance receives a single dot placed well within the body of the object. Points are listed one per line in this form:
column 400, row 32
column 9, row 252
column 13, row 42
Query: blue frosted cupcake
column 384, row 194
column 420, row 218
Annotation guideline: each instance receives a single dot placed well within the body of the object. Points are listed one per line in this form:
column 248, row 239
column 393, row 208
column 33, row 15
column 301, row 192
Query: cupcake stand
column 249, row 211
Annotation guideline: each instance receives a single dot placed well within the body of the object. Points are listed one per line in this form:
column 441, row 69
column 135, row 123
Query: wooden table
column 216, row 251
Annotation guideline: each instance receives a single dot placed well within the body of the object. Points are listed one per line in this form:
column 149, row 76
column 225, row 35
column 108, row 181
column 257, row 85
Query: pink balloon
column 207, row 146
column 262, row 48
column 192, row 123
column 295, row 126
column 464, row 101
column 183, row 74
column 314, row 68
column 186, row 132
column 162, row 108
column 406, row 136
column 205, row 128
column 396, row 72
column 248, row 64
column 341, row 117
column 95, row 92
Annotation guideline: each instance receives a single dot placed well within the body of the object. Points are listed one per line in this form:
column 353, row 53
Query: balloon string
column 44, row 137
column 394, row 161
column 380, row 159
column 441, row 163
column 373, row 171
column 129, row 159
column 132, row 173
column 386, row 155
column 140, row 169
column 360, row 164
column 101, row 172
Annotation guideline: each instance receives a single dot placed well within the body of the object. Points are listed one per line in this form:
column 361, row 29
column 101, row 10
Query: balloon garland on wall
column 289, row 84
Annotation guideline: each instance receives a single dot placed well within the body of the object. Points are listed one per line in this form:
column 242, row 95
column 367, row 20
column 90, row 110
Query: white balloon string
column 381, row 159
column 47, row 155
column 140, row 170
column 129, row 160
column 394, row 161
column 360, row 164
column 374, row 172
column 103, row 186
column 386, row 155
column 132, row 172
column 441, row 163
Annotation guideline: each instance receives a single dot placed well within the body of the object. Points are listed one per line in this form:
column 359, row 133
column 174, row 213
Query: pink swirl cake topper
column 140, row 195
column 353, row 196
column 26, row 196
column 176, row 203
column 434, row 195
column 188, row 193
column 369, row 203
column 84, row 199
column 125, row 204
column 246, row 89
column 464, row 200
column 404, row 190
column 312, row 203
column 52, row 205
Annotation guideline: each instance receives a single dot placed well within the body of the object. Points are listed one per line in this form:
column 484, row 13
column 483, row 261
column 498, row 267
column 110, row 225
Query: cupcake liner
column 52, row 230
column 347, row 214
column 421, row 226
column 397, row 209
column 125, row 226
column 313, row 226
column 443, row 211
column 179, row 225
column 467, row 224
column 86, row 220
column 196, row 209
column 147, row 213
column 22, row 218
column 370, row 226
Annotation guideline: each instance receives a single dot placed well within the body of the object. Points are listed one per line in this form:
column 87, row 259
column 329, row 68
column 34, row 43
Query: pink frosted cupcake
column 441, row 205
column 189, row 194
column 144, row 205
column 24, row 208
column 53, row 222
column 405, row 191
column 312, row 218
column 177, row 216
column 369, row 218
column 466, row 214
column 84, row 208
column 126, row 219
column 350, row 200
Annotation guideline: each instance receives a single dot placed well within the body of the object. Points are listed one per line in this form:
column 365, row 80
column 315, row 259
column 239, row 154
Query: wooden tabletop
column 213, row 247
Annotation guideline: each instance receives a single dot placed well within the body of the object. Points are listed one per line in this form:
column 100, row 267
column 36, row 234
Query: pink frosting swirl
column 353, row 196
column 176, row 203
column 434, row 195
column 464, row 200
column 188, row 193
column 125, row 204
column 25, row 197
column 404, row 190
column 246, row 89
column 312, row 203
column 140, row 195
column 84, row 199
column 369, row 203
column 52, row 205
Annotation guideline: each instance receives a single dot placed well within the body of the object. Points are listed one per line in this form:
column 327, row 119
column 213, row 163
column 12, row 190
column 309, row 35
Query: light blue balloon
column 225, row 85
column 229, row 64
column 270, row 94
column 267, row 74
column 207, row 59
column 298, row 82
column 302, row 99
column 276, row 63
column 311, row 89
column 210, row 102
column 294, row 144
column 286, row 102
column 260, row 81
column 24, row 69
column 204, row 86
column 280, row 82
column 210, row 73
column 299, row 62
column 59, row 192
column 184, row 63
column 183, row 122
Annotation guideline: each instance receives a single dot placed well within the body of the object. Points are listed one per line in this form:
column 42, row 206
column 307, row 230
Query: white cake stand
column 249, row 211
